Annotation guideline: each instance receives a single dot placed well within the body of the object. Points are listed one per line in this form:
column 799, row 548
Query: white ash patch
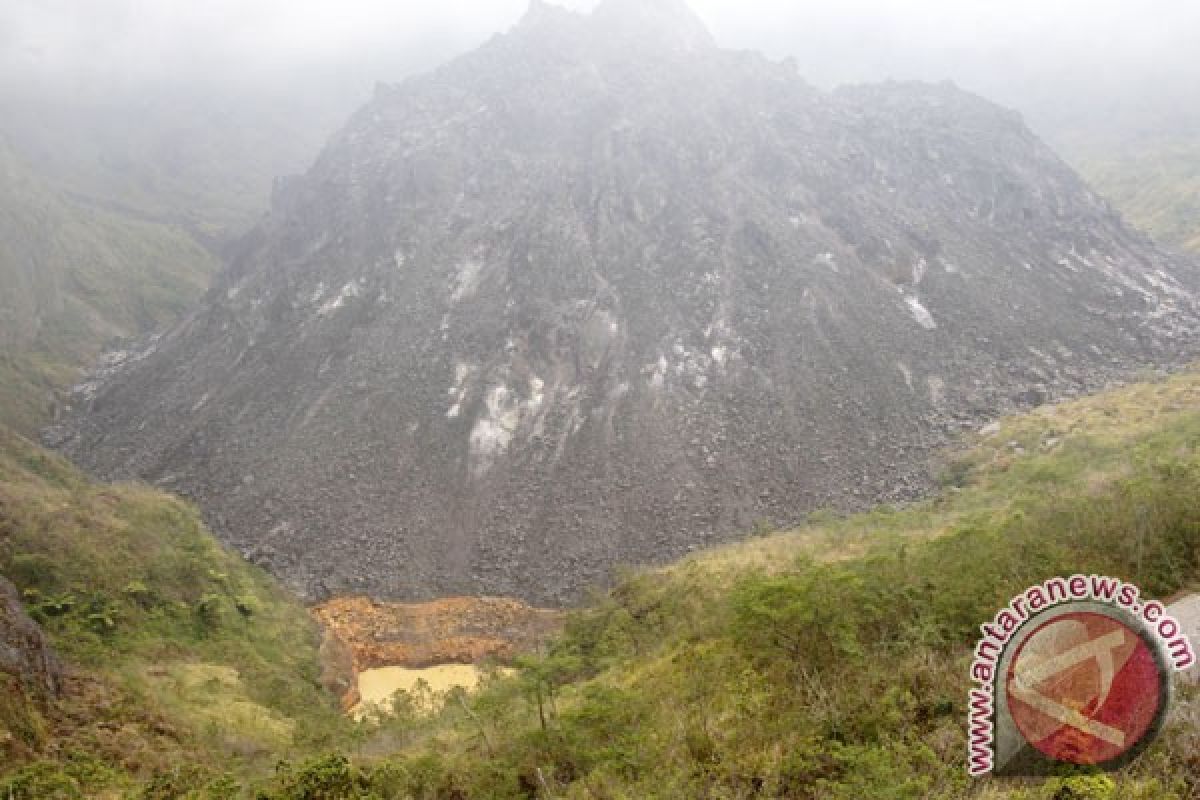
column 828, row 260
column 114, row 358
column 1082, row 259
column 494, row 430
column 458, row 392
column 537, row 394
column 690, row 366
column 534, row 416
column 1165, row 283
column 918, row 271
column 1044, row 357
column 399, row 258
column 86, row 390
column 350, row 290
column 466, row 279
column 503, row 414
column 109, row 364
column 919, row 312
column 657, row 372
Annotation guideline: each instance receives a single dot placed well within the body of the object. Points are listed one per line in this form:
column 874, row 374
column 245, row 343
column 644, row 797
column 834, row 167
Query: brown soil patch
column 453, row 630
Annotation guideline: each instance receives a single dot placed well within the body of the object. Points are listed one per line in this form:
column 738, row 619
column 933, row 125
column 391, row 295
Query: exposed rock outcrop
column 455, row 630
column 339, row 675
column 25, row 652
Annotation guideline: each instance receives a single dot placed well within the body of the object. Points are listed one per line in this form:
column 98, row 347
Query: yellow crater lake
column 376, row 686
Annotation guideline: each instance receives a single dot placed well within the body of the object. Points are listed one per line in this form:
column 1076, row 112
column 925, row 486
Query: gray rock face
column 602, row 292
column 25, row 652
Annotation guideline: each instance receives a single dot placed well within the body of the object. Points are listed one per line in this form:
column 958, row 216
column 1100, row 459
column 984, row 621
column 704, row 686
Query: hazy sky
column 1011, row 50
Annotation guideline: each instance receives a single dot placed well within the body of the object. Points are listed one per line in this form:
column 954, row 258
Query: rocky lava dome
column 602, row 292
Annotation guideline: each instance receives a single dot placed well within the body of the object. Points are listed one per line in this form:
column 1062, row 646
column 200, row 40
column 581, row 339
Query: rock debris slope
column 601, row 292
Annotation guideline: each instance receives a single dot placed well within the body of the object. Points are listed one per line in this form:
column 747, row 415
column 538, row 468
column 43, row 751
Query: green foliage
column 135, row 593
column 326, row 778
column 210, row 611
column 1082, row 787
column 19, row 717
column 818, row 616
column 40, row 781
column 191, row 782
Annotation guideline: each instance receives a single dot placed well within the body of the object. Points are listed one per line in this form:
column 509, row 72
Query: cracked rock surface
column 601, row 292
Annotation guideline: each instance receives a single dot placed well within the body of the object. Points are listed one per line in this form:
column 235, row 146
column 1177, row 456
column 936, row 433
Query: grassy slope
column 74, row 278
column 1147, row 165
column 203, row 158
column 183, row 656
column 1157, row 189
column 831, row 661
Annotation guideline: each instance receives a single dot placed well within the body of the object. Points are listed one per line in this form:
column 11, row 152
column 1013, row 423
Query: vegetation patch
column 179, row 652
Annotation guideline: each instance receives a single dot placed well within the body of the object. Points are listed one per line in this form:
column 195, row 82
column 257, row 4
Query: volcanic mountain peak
column 669, row 22
column 567, row 302
column 662, row 25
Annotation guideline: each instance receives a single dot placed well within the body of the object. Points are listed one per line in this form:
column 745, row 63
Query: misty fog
column 1062, row 63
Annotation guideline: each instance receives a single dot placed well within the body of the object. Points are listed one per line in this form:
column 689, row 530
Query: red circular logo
column 1085, row 688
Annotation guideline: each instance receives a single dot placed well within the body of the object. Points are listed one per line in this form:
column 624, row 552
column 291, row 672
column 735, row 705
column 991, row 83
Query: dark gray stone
column 601, row 291
column 25, row 652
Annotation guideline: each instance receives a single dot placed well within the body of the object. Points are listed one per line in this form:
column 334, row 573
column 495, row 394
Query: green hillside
column 830, row 661
column 76, row 278
column 1155, row 186
column 183, row 659
column 200, row 157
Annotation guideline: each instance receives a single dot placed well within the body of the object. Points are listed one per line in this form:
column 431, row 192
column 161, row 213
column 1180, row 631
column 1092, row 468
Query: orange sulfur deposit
column 453, row 630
